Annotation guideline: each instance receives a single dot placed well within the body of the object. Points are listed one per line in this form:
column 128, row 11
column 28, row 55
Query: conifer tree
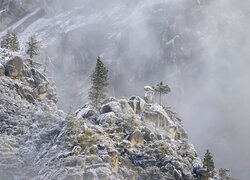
column 224, row 174
column 99, row 80
column 10, row 41
column 6, row 41
column 72, row 127
column 14, row 46
column 161, row 89
column 208, row 164
column 33, row 48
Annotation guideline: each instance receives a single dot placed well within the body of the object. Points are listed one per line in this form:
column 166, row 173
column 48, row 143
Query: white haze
column 199, row 47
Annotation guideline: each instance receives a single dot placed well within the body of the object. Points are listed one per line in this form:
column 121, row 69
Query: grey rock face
column 14, row 67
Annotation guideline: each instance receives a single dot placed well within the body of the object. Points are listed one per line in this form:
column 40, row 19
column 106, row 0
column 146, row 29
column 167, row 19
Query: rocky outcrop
column 145, row 141
column 30, row 83
column 127, row 139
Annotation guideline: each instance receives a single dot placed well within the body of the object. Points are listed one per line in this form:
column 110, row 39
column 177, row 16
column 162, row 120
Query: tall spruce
column 208, row 164
column 99, row 81
column 33, row 49
column 161, row 89
column 72, row 128
column 14, row 46
column 10, row 41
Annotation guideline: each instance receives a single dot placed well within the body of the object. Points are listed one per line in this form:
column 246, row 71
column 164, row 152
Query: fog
column 200, row 48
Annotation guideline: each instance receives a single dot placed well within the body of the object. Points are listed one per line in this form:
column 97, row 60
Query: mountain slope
column 128, row 139
column 199, row 47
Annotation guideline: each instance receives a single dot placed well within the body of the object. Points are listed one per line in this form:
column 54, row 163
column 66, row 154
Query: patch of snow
column 83, row 111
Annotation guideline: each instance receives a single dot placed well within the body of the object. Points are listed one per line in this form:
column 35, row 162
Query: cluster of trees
column 209, row 167
column 11, row 43
column 99, row 80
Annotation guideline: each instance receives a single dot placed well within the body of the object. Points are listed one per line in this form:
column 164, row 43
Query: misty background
column 200, row 48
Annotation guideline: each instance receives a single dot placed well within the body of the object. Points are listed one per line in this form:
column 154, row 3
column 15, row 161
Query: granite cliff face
column 129, row 138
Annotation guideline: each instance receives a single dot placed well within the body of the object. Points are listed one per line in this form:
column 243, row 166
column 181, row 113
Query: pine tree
column 99, row 80
column 10, row 41
column 208, row 164
column 224, row 174
column 33, row 48
column 6, row 41
column 72, row 127
column 14, row 46
column 161, row 89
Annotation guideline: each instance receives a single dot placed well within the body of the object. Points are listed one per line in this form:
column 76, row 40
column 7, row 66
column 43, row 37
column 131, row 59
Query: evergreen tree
column 10, row 41
column 161, row 89
column 6, row 41
column 72, row 123
column 208, row 164
column 14, row 46
column 99, row 80
column 72, row 128
column 33, row 48
column 224, row 174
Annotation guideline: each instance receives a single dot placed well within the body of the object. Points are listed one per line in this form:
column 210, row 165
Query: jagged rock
column 2, row 70
column 14, row 67
column 137, row 104
column 136, row 138
column 149, row 94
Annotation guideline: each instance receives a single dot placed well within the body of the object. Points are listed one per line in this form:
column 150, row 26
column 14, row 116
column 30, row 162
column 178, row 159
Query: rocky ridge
column 129, row 138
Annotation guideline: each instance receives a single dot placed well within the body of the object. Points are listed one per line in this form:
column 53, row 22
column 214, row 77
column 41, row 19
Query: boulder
column 137, row 104
column 14, row 67
column 2, row 70
column 136, row 138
